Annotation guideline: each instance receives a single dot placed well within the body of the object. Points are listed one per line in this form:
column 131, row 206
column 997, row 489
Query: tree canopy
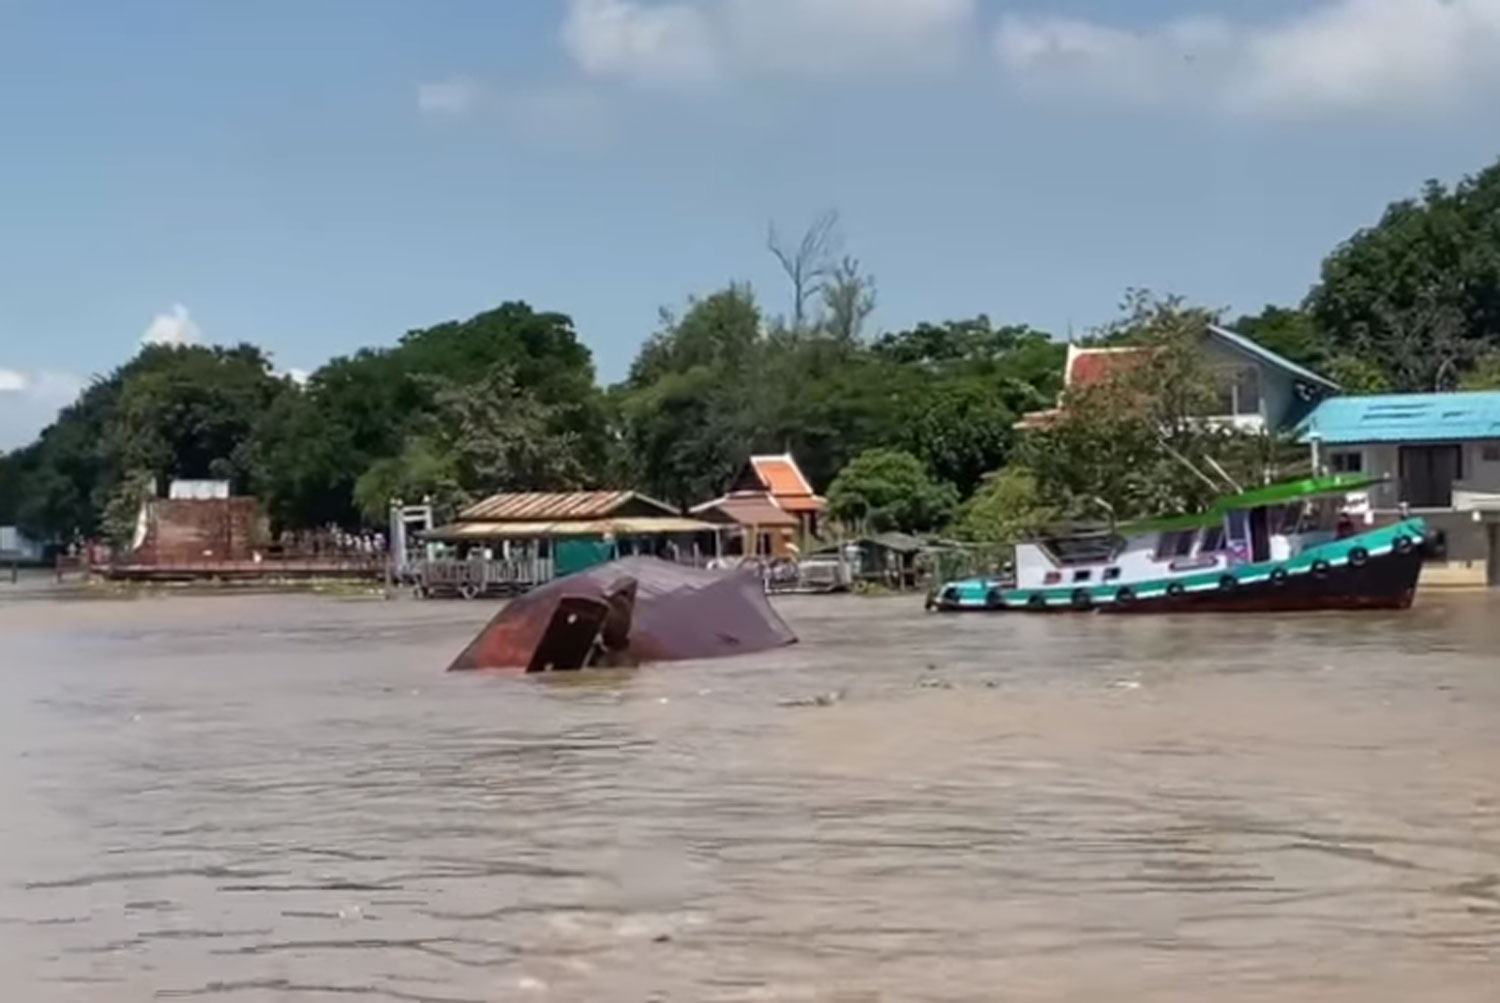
column 906, row 428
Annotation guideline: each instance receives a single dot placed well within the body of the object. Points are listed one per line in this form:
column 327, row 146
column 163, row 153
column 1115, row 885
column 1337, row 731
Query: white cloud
column 1339, row 56
column 699, row 41
column 648, row 42
column 451, row 98
column 13, row 382
column 175, row 327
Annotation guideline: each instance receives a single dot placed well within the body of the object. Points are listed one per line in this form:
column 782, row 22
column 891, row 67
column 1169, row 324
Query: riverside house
column 1258, row 389
column 1440, row 455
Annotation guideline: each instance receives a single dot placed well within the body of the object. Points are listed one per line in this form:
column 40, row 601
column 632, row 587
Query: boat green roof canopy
column 1271, row 494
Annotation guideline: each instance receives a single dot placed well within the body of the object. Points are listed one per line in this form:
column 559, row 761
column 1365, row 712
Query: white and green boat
column 1288, row 546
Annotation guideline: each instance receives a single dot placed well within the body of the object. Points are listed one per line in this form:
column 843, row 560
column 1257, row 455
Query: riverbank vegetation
column 911, row 430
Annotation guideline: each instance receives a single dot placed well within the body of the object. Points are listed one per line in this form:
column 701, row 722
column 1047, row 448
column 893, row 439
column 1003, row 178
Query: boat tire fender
column 1125, row 595
column 1359, row 557
column 993, row 599
column 1037, row 601
column 1320, row 568
column 1175, row 589
column 1401, row 545
column 1082, row 599
column 1229, row 583
column 1278, row 576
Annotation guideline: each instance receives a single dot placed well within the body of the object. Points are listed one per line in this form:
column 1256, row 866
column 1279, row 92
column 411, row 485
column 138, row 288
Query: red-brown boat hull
column 675, row 614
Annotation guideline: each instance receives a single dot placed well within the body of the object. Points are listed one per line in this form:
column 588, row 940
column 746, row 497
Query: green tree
column 1419, row 293
column 188, row 412
column 423, row 471
column 886, row 489
column 480, row 438
column 1138, row 444
column 964, row 431
column 1357, row 375
column 1007, row 506
column 123, row 509
column 11, row 472
column 1290, row 332
column 688, row 407
column 1485, row 375
column 325, row 451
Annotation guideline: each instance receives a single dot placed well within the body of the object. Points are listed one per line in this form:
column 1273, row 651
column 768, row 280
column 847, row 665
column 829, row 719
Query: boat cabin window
column 1291, row 520
column 1082, row 576
column 1212, row 540
column 1111, row 574
column 1175, row 543
column 1098, row 548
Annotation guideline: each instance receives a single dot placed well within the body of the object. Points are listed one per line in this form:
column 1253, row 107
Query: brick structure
column 182, row 531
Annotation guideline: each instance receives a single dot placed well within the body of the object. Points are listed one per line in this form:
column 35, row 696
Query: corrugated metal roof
column 646, row 526
column 552, row 507
column 630, row 526
column 1405, row 418
column 750, row 510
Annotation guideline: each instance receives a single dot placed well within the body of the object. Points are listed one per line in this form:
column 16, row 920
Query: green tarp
column 581, row 553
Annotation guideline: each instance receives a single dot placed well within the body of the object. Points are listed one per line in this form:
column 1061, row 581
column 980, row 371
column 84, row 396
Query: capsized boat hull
column 1374, row 570
column 630, row 612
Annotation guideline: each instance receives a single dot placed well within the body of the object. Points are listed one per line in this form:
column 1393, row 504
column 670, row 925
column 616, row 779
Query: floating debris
column 821, row 700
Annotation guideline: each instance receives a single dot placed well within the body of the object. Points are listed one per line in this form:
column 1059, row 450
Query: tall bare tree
column 809, row 262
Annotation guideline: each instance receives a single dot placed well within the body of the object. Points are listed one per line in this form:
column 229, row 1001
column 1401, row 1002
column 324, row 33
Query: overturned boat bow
column 628, row 612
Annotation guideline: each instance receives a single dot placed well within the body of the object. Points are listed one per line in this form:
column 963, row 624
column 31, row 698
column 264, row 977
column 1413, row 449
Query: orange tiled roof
column 1086, row 367
column 781, row 475
column 1089, row 367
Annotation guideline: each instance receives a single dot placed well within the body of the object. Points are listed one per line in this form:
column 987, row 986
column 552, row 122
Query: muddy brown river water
column 277, row 798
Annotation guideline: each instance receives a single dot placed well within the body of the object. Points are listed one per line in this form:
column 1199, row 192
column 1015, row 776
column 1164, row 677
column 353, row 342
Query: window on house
column 1247, row 391
column 1175, row 543
column 1238, row 391
column 1347, row 462
column 1490, row 453
column 1224, row 389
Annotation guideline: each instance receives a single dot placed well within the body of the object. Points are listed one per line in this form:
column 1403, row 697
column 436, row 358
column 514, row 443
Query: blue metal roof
column 1269, row 357
column 1405, row 418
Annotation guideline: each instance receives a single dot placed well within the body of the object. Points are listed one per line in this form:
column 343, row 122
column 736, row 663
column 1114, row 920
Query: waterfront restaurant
column 557, row 534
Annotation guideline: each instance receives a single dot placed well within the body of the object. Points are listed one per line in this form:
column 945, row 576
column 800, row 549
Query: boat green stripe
column 1336, row 553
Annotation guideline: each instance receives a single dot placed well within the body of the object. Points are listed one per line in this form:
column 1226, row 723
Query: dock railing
column 471, row 578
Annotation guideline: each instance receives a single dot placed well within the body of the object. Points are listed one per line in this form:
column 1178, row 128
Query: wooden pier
column 363, row 567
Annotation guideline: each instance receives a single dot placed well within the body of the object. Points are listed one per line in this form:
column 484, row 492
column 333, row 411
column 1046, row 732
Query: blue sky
column 318, row 175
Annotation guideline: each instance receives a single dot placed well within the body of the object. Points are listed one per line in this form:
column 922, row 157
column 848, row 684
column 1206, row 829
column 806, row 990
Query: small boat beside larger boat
column 1289, row 546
